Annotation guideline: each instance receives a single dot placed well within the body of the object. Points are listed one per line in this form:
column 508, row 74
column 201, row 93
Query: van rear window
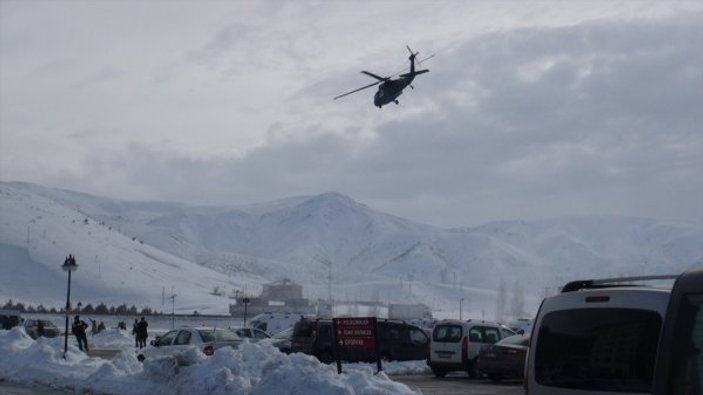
column 447, row 333
column 598, row 349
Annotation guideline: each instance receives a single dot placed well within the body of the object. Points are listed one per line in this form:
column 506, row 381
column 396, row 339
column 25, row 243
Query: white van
column 273, row 323
column 456, row 344
column 598, row 337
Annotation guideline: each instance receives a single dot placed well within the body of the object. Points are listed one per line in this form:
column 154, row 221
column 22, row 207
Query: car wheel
column 439, row 372
column 496, row 378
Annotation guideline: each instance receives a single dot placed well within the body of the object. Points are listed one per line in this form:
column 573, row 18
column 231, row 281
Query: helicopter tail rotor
column 412, row 54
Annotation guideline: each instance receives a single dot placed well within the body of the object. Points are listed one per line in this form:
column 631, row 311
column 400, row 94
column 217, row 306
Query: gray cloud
column 600, row 117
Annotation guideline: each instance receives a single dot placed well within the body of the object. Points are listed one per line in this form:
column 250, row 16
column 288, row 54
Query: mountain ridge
column 306, row 238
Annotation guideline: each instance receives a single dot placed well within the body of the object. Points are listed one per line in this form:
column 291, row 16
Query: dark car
column 397, row 341
column 314, row 337
column 505, row 358
column 38, row 328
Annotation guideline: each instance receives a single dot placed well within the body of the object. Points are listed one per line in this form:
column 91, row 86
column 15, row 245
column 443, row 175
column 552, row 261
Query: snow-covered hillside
column 130, row 251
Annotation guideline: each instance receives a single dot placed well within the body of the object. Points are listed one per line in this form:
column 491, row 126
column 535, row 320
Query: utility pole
column 329, row 282
column 173, row 309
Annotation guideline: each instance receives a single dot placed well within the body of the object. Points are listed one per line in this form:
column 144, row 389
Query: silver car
column 176, row 341
column 253, row 334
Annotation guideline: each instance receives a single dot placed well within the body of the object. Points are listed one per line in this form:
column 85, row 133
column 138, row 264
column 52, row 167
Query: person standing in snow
column 135, row 332
column 78, row 328
column 142, row 333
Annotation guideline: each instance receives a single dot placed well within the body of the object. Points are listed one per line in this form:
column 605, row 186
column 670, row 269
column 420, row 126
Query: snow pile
column 253, row 369
column 111, row 338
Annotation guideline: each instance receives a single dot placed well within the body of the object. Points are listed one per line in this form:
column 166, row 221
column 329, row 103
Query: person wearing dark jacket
column 135, row 332
column 142, row 333
column 78, row 328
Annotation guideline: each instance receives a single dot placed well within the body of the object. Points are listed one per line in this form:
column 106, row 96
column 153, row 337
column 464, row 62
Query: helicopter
column 389, row 89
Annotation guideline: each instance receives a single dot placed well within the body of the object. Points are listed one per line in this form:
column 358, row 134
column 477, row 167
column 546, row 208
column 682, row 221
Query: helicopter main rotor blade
column 419, row 62
column 356, row 90
column 374, row 76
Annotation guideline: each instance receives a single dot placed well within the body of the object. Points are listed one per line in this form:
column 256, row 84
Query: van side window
column 492, row 335
column 686, row 373
column 475, row 334
column 324, row 332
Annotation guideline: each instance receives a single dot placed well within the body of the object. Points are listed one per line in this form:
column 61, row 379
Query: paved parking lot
column 460, row 384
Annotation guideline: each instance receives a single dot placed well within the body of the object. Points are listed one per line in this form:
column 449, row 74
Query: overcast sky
column 530, row 110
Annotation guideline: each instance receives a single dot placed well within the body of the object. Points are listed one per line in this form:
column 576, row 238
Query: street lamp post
column 69, row 265
column 246, row 301
column 461, row 309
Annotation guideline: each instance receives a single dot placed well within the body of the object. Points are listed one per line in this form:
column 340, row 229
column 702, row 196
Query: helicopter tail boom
column 414, row 73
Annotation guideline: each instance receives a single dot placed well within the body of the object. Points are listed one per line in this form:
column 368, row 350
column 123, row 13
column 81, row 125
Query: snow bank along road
column 253, row 369
column 39, row 367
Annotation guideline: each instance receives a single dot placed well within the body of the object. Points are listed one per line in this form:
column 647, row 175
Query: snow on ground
column 253, row 369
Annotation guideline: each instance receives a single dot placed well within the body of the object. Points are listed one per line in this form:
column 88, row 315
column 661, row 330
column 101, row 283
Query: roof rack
column 612, row 282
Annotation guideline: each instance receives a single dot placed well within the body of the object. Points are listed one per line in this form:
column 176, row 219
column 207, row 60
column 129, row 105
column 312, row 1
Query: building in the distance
column 283, row 296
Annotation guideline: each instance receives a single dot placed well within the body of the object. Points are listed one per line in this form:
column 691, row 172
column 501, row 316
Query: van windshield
column 303, row 329
column 598, row 349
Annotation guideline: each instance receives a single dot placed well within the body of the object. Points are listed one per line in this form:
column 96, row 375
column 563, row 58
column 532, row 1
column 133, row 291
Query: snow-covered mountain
column 130, row 252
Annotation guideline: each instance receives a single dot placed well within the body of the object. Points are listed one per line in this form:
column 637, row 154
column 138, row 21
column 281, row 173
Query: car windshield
column 286, row 334
column 218, row 335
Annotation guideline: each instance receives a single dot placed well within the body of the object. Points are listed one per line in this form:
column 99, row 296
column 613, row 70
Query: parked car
column 206, row 340
column 397, row 341
column 34, row 327
column 601, row 337
column 254, row 335
column 272, row 323
column 282, row 340
column 506, row 358
column 521, row 325
column 456, row 344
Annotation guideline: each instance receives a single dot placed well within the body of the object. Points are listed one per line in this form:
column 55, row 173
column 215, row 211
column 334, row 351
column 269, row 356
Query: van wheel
column 439, row 372
column 473, row 371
